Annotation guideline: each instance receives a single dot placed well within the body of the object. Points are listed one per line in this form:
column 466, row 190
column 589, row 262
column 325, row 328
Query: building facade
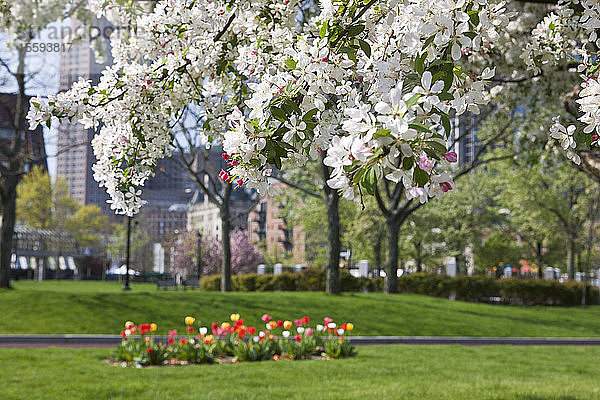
column 33, row 141
column 271, row 232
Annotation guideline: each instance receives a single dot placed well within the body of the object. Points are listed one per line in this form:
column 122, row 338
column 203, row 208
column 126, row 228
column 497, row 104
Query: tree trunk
column 391, row 269
column 332, row 284
column 540, row 259
column 461, row 263
column 377, row 250
column 571, row 257
column 9, row 205
column 226, row 240
column 419, row 257
column 9, row 180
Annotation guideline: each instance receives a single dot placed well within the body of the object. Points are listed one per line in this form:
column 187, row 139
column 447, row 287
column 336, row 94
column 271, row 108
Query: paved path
column 112, row 340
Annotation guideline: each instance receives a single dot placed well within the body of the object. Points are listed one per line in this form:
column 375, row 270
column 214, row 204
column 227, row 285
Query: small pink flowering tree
column 244, row 254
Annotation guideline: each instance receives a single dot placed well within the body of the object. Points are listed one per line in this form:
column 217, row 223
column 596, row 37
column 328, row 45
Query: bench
column 166, row 285
column 191, row 283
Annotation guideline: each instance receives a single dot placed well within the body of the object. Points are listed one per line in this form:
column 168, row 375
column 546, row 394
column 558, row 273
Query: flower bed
column 233, row 342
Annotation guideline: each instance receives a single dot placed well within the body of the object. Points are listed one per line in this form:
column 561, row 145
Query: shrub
column 210, row 282
column 348, row 283
column 311, row 279
column 285, row 281
column 466, row 288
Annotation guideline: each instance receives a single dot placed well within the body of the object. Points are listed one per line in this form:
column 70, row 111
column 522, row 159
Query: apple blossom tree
column 374, row 82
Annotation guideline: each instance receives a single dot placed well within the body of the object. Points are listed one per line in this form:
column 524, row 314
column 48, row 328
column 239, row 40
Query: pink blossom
column 451, row 156
column 446, row 186
column 308, row 332
column 426, row 164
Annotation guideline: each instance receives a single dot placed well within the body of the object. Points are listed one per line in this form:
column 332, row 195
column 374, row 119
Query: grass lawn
column 379, row 372
column 102, row 307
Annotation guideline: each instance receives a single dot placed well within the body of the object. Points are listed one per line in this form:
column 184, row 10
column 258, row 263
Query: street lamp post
column 126, row 287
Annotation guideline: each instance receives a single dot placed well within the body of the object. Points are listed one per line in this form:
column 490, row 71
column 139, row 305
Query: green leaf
column 420, row 177
column 446, row 123
column 293, row 106
column 278, row 114
column 366, row 48
column 437, row 146
column 428, row 42
column 323, row 30
column 290, row 63
column 413, row 100
column 445, row 96
column 369, row 181
column 419, row 127
column 474, row 15
column 358, row 175
column 309, row 114
column 407, row 163
column 420, row 64
column 382, row 132
column 355, row 30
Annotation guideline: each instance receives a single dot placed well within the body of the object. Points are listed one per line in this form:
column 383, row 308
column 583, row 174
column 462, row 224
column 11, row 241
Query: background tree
column 559, row 191
column 35, row 199
column 244, row 254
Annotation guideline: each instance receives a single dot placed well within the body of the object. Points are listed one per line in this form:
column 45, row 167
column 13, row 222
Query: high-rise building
column 465, row 138
column 75, row 154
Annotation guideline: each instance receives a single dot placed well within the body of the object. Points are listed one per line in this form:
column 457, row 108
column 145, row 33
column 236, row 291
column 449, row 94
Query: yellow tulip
column 153, row 327
column 128, row 324
column 208, row 339
column 287, row 324
column 189, row 320
column 349, row 326
column 235, row 317
column 225, row 325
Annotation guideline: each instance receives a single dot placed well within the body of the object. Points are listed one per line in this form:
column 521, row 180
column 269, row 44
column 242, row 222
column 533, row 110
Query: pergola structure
column 39, row 250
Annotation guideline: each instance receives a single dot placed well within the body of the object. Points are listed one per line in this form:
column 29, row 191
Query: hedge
column 467, row 288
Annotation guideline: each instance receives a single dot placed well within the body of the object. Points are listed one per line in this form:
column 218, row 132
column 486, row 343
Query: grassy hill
column 102, row 307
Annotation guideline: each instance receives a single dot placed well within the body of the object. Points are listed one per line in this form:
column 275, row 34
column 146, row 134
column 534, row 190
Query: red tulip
column 183, row 341
column 305, row 320
column 170, row 340
column 280, row 324
column 123, row 334
column 251, row 330
column 298, row 338
column 190, row 329
column 298, row 322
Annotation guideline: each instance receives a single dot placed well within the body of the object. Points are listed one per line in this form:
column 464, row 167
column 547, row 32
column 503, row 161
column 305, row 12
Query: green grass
column 379, row 372
column 102, row 307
